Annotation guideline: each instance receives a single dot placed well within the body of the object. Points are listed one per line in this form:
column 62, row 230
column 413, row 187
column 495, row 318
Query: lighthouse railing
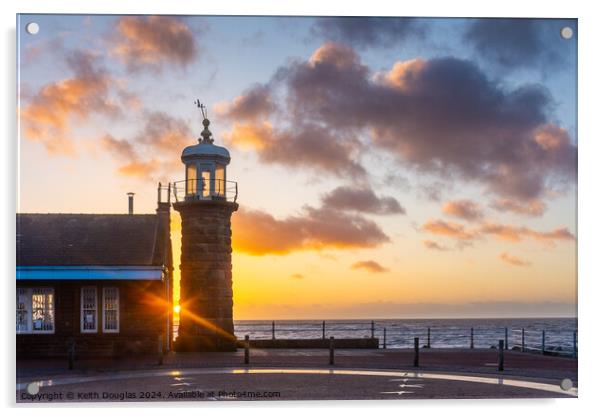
column 205, row 189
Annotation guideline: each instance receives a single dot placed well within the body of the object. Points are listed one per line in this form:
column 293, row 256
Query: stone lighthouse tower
column 206, row 201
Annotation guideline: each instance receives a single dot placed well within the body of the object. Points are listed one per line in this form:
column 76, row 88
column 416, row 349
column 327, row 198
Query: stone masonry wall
column 206, row 276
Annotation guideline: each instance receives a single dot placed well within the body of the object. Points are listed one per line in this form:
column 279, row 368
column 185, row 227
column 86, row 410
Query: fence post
column 323, row 329
column 523, row 340
column 160, row 349
column 247, row 349
column 384, row 338
column 574, row 344
column 500, row 359
column 416, row 352
column 506, row 338
column 543, row 342
column 273, row 330
column 71, row 353
column 372, row 329
column 471, row 338
column 428, row 337
column 331, row 350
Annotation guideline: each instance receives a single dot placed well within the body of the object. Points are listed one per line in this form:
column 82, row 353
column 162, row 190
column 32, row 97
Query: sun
column 176, row 308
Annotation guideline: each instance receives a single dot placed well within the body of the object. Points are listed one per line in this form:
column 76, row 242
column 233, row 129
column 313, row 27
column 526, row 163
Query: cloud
column 258, row 233
column 533, row 208
column 516, row 234
column 253, row 104
column 150, row 153
column 442, row 117
column 369, row 265
column 47, row 115
column 512, row 43
column 510, row 233
column 306, row 146
column 464, row 209
column 153, row 42
column 361, row 199
column 297, row 276
column 514, row 261
column 365, row 32
column 449, row 229
column 433, row 245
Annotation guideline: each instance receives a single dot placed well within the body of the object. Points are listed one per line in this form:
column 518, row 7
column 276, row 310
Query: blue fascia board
column 88, row 273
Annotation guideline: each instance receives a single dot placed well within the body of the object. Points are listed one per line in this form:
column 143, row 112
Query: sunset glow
column 381, row 174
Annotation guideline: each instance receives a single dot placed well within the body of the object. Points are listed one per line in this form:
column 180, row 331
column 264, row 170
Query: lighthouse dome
column 206, row 151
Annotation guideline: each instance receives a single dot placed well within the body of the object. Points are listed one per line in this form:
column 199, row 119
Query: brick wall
column 143, row 312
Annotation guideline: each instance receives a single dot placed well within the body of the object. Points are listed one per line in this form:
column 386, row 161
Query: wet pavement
column 299, row 375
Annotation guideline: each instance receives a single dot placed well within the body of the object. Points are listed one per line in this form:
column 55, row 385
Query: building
column 206, row 201
column 102, row 282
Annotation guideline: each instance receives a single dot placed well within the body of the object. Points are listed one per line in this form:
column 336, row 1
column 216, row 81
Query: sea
column 554, row 334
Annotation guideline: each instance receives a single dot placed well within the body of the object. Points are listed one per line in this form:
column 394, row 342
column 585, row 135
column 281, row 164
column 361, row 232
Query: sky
column 386, row 167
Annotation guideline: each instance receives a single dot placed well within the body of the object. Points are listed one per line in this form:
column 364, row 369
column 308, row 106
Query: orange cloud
column 504, row 232
column 514, row 261
column 516, row 234
column 533, row 208
column 433, row 245
column 149, row 154
column 463, row 208
column 47, row 114
column 151, row 42
column 369, row 265
column 259, row 233
column 449, row 229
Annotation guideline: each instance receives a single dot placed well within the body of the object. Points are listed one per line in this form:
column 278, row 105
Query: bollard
column 428, row 337
column 500, row 359
column 160, row 349
column 323, row 329
column 384, row 338
column 331, row 350
column 506, row 338
column 543, row 342
column 416, row 352
column 471, row 338
column 574, row 344
column 273, row 330
column 71, row 353
column 247, row 349
column 372, row 329
column 523, row 340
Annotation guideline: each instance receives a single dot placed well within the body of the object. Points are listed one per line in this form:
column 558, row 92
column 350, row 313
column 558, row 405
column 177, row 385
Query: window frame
column 81, row 310
column 104, row 310
column 48, row 290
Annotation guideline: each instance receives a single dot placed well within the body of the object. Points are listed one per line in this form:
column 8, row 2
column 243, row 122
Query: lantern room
column 206, row 168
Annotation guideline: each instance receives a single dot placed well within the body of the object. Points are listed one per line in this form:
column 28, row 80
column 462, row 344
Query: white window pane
column 111, row 309
column 22, row 310
column 42, row 309
column 89, row 309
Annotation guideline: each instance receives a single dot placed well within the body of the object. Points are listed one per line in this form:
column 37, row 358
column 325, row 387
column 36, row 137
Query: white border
column 590, row 206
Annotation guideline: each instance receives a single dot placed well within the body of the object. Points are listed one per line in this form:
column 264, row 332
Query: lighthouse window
column 220, row 176
column 191, row 179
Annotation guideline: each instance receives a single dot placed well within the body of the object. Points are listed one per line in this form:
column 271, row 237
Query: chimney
column 131, row 203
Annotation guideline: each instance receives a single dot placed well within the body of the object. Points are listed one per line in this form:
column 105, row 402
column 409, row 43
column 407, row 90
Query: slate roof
column 93, row 240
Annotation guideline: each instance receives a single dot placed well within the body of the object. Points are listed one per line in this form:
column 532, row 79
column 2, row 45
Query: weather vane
column 202, row 107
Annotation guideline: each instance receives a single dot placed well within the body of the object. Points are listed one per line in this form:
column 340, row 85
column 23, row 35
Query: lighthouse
column 206, row 201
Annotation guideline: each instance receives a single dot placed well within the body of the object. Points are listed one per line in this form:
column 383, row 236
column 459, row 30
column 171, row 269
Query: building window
column 89, row 309
column 35, row 310
column 110, row 309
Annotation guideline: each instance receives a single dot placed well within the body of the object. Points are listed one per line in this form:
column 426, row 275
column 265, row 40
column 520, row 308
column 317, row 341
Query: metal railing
column 556, row 341
column 205, row 189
